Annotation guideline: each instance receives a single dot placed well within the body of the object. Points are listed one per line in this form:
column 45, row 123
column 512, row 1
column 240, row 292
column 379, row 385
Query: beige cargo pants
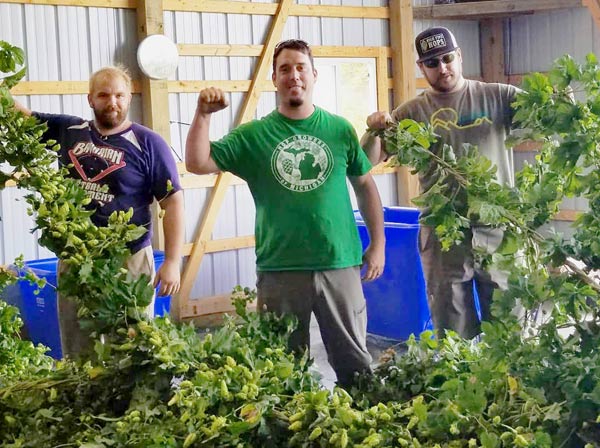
column 73, row 339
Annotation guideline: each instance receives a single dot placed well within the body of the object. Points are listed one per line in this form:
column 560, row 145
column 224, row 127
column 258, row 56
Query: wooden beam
column 222, row 245
column 356, row 12
column 594, row 8
column 264, row 64
column 218, row 304
column 227, row 86
column 155, row 93
column 215, row 202
column 568, row 215
column 218, row 50
column 124, row 4
column 205, row 181
column 58, row 88
column 264, row 9
column 383, row 93
column 327, row 51
column 155, row 99
column 197, row 252
column 403, row 69
column 403, row 56
column 528, row 146
column 488, row 9
column 491, row 38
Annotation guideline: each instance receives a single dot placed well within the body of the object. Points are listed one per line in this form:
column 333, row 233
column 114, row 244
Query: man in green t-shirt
column 296, row 161
column 460, row 111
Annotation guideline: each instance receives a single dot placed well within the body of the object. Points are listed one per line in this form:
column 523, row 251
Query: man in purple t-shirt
column 121, row 165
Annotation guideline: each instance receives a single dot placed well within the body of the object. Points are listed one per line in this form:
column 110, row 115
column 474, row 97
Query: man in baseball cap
column 460, row 111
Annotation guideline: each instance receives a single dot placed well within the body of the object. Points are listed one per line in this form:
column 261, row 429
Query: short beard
column 296, row 102
column 107, row 122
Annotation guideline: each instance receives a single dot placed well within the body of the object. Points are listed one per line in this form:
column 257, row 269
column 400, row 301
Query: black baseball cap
column 434, row 42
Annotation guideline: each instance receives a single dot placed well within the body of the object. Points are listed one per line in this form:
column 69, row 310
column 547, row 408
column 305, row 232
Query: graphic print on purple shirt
column 93, row 164
column 119, row 171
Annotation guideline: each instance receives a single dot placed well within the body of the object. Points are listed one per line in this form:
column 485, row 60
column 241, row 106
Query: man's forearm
column 373, row 148
column 24, row 110
column 174, row 226
column 197, row 146
column 369, row 204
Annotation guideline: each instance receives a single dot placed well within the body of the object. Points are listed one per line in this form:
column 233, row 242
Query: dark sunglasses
column 434, row 62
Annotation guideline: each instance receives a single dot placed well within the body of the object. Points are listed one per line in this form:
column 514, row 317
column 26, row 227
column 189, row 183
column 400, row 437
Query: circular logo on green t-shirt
column 302, row 163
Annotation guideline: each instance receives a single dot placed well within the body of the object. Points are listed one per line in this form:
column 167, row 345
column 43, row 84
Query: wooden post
column 383, row 91
column 155, row 96
column 594, row 8
column 403, row 63
column 155, row 93
column 491, row 38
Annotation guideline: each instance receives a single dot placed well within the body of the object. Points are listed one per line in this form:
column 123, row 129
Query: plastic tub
column 39, row 311
column 397, row 301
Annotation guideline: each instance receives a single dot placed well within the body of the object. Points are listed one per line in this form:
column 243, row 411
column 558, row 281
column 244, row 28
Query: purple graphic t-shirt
column 136, row 165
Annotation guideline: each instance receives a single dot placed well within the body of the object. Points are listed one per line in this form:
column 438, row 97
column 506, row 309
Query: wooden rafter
column 491, row 37
column 594, row 7
column 247, row 112
column 155, row 96
column 227, row 7
column 487, row 9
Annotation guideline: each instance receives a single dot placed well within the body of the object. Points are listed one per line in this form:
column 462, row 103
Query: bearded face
column 110, row 100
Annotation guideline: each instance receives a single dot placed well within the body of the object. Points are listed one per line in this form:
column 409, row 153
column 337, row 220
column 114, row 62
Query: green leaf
column 489, row 440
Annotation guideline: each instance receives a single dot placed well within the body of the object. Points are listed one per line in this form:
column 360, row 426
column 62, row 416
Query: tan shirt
column 479, row 114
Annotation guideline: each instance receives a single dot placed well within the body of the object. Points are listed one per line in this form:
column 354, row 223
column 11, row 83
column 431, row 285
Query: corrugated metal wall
column 67, row 43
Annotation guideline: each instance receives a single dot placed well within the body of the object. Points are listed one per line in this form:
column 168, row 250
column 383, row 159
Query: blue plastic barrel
column 40, row 314
column 39, row 311
column 397, row 301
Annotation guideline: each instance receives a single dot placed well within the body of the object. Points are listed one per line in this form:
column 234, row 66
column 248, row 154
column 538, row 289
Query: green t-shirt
column 296, row 171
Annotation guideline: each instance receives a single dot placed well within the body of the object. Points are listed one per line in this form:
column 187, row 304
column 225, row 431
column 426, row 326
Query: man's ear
column 315, row 73
column 420, row 65
column 89, row 98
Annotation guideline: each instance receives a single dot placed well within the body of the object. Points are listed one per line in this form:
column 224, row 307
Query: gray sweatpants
column 73, row 339
column 449, row 279
column 336, row 297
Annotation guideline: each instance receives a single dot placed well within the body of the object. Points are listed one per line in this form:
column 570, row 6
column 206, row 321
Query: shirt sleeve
column 358, row 162
column 56, row 124
column 165, row 177
column 228, row 152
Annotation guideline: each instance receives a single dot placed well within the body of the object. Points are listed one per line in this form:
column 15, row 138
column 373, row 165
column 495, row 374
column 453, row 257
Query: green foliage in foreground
column 157, row 384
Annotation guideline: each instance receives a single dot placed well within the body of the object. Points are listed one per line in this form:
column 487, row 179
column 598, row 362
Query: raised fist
column 212, row 100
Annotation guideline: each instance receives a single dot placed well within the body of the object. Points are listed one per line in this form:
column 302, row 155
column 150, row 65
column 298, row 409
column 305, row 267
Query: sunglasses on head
column 434, row 62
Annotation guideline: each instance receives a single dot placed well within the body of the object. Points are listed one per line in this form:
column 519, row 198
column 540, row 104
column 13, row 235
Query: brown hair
column 110, row 72
column 292, row 44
